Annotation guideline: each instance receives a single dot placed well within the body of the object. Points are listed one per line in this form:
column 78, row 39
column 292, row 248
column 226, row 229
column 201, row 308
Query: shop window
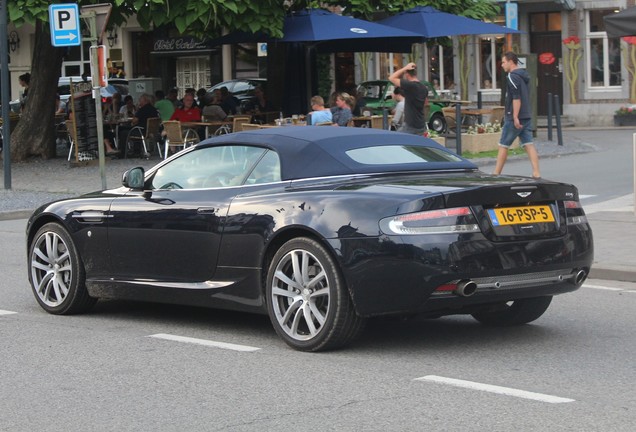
column 490, row 52
column 77, row 60
column 603, row 54
column 441, row 69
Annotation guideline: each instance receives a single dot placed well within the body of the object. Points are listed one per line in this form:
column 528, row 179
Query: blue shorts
column 509, row 133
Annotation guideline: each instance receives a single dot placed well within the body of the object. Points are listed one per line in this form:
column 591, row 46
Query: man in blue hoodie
column 518, row 115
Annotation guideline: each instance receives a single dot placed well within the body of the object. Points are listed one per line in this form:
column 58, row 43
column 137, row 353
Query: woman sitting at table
column 341, row 113
column 320, row 114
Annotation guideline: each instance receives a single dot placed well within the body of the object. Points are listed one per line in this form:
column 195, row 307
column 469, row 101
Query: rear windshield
column 400, row 154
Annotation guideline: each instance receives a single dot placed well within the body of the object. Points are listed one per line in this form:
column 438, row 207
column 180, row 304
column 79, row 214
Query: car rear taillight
column 574, row 213
column 442, row 221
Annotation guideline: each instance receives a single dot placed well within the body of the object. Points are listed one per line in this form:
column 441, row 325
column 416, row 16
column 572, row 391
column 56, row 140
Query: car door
column 172, row 230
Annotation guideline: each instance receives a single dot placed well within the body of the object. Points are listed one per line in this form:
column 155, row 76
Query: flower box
column 625, row 120
column 440, row 140
column 476, row 143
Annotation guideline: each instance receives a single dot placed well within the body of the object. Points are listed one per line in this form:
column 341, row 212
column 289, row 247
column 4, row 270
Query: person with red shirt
column 188, row 112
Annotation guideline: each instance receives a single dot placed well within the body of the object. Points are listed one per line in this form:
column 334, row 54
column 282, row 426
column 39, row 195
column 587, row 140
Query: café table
column 212, row 126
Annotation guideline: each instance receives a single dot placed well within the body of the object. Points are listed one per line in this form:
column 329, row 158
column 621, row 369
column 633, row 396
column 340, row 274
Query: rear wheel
column 516, row 312
column 437, row 123
column 307, row 299
column 57, row 273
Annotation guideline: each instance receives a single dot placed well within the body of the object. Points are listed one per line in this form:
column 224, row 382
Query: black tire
column 56, row 272
column 437, row 123
column 518, row 312
column 314, row 315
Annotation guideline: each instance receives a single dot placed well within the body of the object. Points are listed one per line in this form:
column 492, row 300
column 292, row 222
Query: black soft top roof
column 317, row 151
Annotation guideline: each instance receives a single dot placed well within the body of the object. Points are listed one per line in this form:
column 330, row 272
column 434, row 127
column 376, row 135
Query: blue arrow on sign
column 65, row 26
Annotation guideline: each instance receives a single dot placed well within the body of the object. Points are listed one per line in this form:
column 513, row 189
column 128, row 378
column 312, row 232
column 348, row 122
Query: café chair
column 176, row 137
column 238, row 122
column 377, row 121
column 250, row 126
column 145, row 136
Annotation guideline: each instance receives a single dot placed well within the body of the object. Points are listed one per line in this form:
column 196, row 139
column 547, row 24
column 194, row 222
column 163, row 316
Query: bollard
column 549, row 116
column 385, row 118
column 458, row 129
column 557, row 113
column 479, row 106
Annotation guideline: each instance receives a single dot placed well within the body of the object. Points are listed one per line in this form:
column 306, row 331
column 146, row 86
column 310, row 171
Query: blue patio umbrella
column 327, row 32
column 318, row 31
column 431, row 23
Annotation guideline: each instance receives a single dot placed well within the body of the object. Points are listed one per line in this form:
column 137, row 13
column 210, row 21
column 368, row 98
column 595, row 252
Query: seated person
column 341, row 112
column 320, row 114
column 189, row 112
column 212, row 110
column 140, row 118
column 128, row 109
column 163, row 105
column 398, row 111
column 229, row 103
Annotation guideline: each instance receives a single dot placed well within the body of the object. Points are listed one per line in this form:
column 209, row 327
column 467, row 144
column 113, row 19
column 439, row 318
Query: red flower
column 630, row 40
column 572, row 39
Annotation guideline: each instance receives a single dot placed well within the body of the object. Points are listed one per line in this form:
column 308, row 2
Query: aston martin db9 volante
column 320, row 228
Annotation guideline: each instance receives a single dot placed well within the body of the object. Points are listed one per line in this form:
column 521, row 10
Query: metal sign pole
column 90, row 19
column 4, row 86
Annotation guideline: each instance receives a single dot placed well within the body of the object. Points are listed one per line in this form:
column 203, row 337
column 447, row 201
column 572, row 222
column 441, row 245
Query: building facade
column 590, row 73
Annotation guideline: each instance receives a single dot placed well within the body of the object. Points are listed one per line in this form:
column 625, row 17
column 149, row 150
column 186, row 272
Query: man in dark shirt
column 518, row 115
column 415, row 94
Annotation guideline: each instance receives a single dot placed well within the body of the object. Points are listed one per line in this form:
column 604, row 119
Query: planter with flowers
column 435, row 137
column 625, row 116
column 481, row 137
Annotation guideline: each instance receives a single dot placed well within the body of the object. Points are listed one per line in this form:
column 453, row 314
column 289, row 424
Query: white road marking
column 601, row 287
column 6, row 312
column 495, row 389
column 204, row 342
column 586, row 196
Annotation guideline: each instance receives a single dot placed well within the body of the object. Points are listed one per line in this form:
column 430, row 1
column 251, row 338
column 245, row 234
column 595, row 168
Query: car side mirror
column 134, row 178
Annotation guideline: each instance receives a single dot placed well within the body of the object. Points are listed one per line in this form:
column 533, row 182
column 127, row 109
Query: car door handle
column 206, row 210
column 91, row 216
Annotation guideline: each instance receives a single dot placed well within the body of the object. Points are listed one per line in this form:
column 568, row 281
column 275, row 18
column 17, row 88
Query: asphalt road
column 571, row 370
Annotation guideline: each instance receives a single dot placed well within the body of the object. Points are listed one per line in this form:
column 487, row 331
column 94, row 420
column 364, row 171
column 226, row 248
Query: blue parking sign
column 512, row 16
column 65, row 25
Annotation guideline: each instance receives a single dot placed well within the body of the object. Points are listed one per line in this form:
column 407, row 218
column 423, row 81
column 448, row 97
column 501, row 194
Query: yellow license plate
column 520, row 215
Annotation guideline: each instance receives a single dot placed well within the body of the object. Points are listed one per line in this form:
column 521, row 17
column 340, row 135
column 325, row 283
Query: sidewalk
column 39, row 181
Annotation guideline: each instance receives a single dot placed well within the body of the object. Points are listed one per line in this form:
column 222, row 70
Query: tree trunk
column 34, row 135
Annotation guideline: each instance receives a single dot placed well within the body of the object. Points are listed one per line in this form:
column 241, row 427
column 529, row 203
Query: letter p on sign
column 65, row 26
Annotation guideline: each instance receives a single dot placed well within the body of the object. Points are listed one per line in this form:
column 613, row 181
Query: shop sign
column 185, row 43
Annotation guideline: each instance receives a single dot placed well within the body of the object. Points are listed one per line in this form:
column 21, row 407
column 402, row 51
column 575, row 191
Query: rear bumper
column 399, row 275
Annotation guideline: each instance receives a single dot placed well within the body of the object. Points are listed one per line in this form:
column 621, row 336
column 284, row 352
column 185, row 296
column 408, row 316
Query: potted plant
column 481, row 137
column 435, row 137
column 625, row 116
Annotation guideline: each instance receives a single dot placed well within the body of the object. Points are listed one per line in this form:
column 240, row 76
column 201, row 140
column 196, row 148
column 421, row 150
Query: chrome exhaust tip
column 580, row 277
column 465, row 288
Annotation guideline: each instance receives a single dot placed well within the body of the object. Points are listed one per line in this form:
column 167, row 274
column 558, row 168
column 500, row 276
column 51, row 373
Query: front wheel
column 437, row 122
column 56, row 272
column 307, row 300
column 516, row 312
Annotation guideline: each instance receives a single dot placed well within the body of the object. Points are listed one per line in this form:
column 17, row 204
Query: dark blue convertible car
column 320, row 228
